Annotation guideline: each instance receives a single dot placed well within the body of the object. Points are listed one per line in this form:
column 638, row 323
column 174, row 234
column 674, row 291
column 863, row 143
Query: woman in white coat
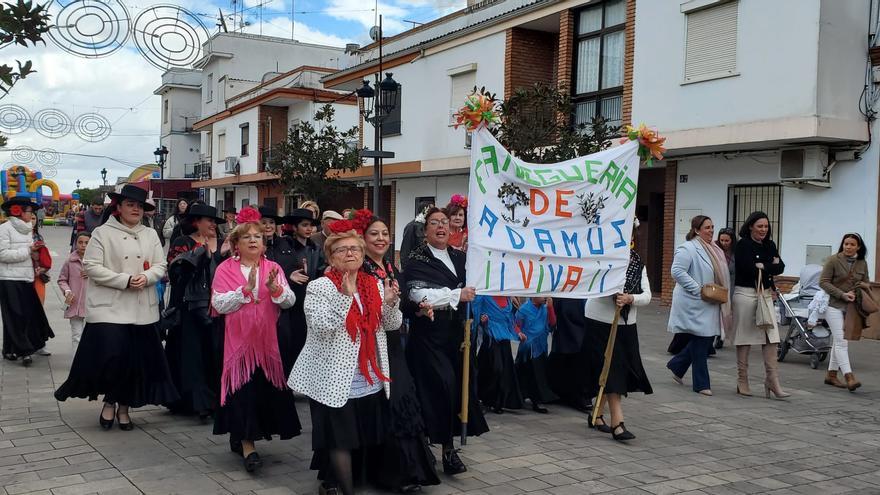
column 25, row 327
column 120, row 355
column 343, row 367
column 697, row 262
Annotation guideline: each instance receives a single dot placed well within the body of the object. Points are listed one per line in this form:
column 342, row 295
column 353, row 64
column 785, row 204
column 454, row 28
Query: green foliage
column 309, row 162
column 536, row 127
column 89, row 196
column 3, row 141
column 20, row 23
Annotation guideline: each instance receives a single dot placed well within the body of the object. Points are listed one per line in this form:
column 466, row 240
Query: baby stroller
column 793, row 314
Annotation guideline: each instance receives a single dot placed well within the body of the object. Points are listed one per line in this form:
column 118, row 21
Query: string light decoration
column 169, row 36
column 52, row 123
column 14, row 119
column 89, row 28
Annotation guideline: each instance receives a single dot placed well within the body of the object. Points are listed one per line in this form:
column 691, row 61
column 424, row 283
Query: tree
column 20, row 24
column 534, row 126
column 88, row 196
column 310, row 160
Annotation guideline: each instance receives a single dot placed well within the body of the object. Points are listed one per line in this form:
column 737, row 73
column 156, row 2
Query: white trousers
column 840, row 347
column 76, row 329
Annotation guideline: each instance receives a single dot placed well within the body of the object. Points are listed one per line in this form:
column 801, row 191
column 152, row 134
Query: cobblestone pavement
column 822, row 440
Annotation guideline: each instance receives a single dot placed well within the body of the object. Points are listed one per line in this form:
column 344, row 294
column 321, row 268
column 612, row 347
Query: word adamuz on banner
column 560, row 230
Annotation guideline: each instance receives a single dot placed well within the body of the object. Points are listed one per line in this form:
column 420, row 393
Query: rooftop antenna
column 292, row 19
column 414, row 23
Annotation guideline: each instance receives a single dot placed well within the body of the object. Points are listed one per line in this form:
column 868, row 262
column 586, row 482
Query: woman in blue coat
column 693, row 267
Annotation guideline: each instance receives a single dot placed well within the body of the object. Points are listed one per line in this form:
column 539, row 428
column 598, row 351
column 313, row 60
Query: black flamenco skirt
column 404, row 457
column 571, row 377
column 434, row 357
column 360, row 423
column 533, row 378
column 257, row 411
column 626, row 374
column 497, row 383
column 25, row 327
column 193, row 360
column 124, row 363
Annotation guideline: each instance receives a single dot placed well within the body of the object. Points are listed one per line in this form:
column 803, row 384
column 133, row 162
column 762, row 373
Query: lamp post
column 104, row 176
column 160, row 153
column 77, row 183
column 376, row 105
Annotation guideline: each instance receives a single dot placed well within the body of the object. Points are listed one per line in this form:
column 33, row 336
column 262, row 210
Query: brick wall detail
column 670, row 184
column 529, row 58
column 629, row 53
column 278, row 117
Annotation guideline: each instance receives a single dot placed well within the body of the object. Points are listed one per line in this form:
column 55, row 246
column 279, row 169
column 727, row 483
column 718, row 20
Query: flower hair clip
column 248, row 214
column 459, row 200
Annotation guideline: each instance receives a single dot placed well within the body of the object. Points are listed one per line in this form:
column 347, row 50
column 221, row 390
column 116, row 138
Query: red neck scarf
column 364, row 324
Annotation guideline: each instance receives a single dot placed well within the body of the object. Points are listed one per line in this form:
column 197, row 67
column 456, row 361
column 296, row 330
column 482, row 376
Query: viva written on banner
column 560, row 230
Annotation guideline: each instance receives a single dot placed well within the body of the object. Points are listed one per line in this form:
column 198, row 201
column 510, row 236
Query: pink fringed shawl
column 251, row 339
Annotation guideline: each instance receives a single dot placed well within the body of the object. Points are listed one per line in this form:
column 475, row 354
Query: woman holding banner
column 435, row 277
column 626, row 374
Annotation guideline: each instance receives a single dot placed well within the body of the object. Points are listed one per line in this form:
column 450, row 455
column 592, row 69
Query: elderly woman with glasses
column 437, row 296
column 343, row 367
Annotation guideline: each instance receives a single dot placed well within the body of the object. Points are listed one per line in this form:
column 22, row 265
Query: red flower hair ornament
column 459, row 200
column 248, row 214
column 15, row 210
column 358, row 221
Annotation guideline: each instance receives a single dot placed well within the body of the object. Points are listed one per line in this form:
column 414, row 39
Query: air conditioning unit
column 807, row 164
column 231, row 165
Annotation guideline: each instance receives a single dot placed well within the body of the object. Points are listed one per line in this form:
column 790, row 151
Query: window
column 391, row 125
column 209, row 88
column 743, row 200
column 165, row 111
column 598, row 65
column 710, row 43
column 461, row 81
column 245, row 138
column 221, row 147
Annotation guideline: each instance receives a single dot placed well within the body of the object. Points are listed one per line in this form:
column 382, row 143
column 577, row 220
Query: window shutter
column 462, row 85
column 710, row 50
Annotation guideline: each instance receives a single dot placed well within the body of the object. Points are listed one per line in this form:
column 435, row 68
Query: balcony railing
column 198, row 171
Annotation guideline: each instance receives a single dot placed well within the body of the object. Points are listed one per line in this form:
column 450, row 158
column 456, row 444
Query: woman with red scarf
column 343, row 368
column 250, row 291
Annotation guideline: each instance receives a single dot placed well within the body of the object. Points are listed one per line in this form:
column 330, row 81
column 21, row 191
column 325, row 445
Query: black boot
column 452, row 463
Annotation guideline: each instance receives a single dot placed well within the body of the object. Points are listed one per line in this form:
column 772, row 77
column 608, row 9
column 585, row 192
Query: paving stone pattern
column 821, row 441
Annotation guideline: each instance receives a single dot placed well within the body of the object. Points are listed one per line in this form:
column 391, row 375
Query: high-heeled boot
column 742, row 370
column 771, row 368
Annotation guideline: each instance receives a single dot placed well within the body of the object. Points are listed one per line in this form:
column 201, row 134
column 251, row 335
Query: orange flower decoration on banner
column 650, row 142
column 480, row 109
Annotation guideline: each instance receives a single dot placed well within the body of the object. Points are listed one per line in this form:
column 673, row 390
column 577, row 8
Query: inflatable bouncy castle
column 19, row 180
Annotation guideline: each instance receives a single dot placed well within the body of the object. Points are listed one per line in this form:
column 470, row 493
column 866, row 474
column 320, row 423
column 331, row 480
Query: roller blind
column 710, row 49
column 462, row 85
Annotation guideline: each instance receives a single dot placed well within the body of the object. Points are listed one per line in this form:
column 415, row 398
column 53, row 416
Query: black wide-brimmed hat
column 267, row 212
column 298, row 215
column 20, row 201
column 133, row 193
column 199, row 210
column 230, row 209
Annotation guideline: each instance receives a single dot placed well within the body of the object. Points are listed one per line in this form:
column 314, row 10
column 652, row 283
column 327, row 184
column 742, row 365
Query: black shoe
column 235, row 447
column 536, row 406
column 602, row 428
column 582, row 406
column 498, row 410
column 10, row 356
column 622, row 436
column 452, row 463
column 252, row 462
column 719, row 343
column 124, row 426
column 412, row 488
column 27, row 361
column 106, row 423
column 328, row 489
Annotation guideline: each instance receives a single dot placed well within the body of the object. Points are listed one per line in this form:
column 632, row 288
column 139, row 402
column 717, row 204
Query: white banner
column 560, row 230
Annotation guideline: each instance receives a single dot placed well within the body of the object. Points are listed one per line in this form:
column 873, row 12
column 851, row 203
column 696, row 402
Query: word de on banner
column 560, row 230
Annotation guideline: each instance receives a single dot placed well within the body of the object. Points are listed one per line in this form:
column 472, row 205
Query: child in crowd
column 73, row 285
column 497, row 385
column 534, row 318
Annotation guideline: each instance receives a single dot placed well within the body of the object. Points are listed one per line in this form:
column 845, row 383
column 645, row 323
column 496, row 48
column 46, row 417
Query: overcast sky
column 120, row 86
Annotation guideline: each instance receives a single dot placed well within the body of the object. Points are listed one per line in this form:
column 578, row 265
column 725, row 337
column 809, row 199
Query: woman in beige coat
column 120, row 355
column 841, row 275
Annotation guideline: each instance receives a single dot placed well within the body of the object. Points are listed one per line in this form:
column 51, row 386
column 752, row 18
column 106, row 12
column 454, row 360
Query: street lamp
column 77, row 183
column 160, row 153
column 376, row 108
column 104, row 175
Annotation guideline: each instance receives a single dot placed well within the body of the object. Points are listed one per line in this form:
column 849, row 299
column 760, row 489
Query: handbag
column 765, row 316
column 714, row 293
